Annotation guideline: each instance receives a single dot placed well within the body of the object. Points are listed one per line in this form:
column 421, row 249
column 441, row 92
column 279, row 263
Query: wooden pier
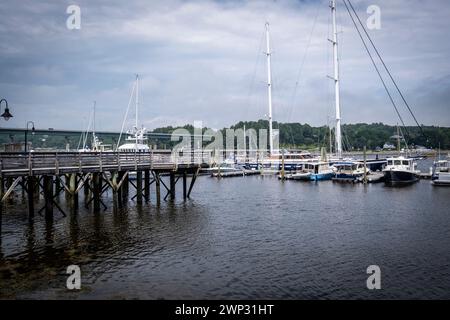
column 93, row 173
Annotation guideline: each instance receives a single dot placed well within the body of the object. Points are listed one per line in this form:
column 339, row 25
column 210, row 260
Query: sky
column 204, row 61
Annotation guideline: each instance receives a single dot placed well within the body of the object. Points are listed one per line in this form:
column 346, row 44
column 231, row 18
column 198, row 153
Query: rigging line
column 387, row 70
column 376, row 67
column 126, row 115
column 404, row 139
column 252, row 83
column 300, row 71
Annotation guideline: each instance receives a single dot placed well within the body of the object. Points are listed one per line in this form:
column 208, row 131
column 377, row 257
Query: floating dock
column 241, row 173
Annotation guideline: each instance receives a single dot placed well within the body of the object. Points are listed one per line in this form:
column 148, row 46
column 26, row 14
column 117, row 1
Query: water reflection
column 237, row 238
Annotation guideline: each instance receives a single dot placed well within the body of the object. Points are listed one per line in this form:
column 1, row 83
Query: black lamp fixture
column 5, row 115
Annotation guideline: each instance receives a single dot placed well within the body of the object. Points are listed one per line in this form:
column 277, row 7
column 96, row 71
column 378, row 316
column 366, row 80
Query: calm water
column 252, row 237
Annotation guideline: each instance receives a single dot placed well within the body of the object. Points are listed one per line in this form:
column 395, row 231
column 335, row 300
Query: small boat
column 224, row 168
column 440, row 175
column 349, row 171
column 314, row 171
column 136, row 141
column 400, row 171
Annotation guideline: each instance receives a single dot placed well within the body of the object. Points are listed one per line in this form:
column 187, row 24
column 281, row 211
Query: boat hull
column 399, row 178
column 441, row 179
column 346, row 176
column 322, row 176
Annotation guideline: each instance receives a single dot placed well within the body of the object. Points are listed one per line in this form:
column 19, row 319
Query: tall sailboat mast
column 137, row 107
column 336, row 81
column 269, row 89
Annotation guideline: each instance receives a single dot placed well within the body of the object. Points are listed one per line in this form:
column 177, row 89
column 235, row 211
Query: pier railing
column 41, row 163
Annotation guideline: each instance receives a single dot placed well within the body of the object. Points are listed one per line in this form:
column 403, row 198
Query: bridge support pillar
column 48, row 197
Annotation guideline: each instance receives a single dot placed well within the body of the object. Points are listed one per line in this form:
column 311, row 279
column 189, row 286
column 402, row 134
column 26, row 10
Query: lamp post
column 26, row 133
column 5, row 115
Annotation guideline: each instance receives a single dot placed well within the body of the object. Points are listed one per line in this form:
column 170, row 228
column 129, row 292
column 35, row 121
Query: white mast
column 336, row 81
column 269, row 89
column 137, row 108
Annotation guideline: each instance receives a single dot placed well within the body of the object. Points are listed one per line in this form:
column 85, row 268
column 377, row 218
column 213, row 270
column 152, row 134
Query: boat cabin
column 349, row 167
column 400, row 163
column 441, row 166
column 316, row 168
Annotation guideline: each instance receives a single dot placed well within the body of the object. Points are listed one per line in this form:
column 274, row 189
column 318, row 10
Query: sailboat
column 277, row 161
column 136, row 140
column 96, row 144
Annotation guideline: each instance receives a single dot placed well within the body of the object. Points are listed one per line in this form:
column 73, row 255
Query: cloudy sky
column 204, row 61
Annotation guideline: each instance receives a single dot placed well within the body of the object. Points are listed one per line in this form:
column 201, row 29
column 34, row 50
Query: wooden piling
column 158, row 189
column 172, row 185
column 147, row 185
column 2, row 188
column 365, row 163
column 31, row 181
column 97, row 188
column 57, row 185
column 139, row 186
column 184, row 185
column 48, row 197
column 73, row 190
column 125, row 187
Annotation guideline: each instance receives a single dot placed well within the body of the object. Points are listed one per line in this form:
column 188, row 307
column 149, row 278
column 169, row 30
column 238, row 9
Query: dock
column 241, row 173
column 93, row 173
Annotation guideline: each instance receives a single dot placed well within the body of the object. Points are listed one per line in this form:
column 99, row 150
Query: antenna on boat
column 269, row 88
column 93, row 125
column 336, row 81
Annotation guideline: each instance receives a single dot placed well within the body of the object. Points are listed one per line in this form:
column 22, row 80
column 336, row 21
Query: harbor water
column 249, row 237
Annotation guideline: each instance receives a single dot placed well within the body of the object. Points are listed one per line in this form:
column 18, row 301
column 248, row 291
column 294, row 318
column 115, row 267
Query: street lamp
column 26, row 133
column 5, row 115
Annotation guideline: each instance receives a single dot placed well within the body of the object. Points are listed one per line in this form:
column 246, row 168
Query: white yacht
column 400, row 171
column 136, row 140
column 440, row 175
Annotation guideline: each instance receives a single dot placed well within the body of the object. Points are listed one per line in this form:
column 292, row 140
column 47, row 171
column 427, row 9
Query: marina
column 251, row 150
